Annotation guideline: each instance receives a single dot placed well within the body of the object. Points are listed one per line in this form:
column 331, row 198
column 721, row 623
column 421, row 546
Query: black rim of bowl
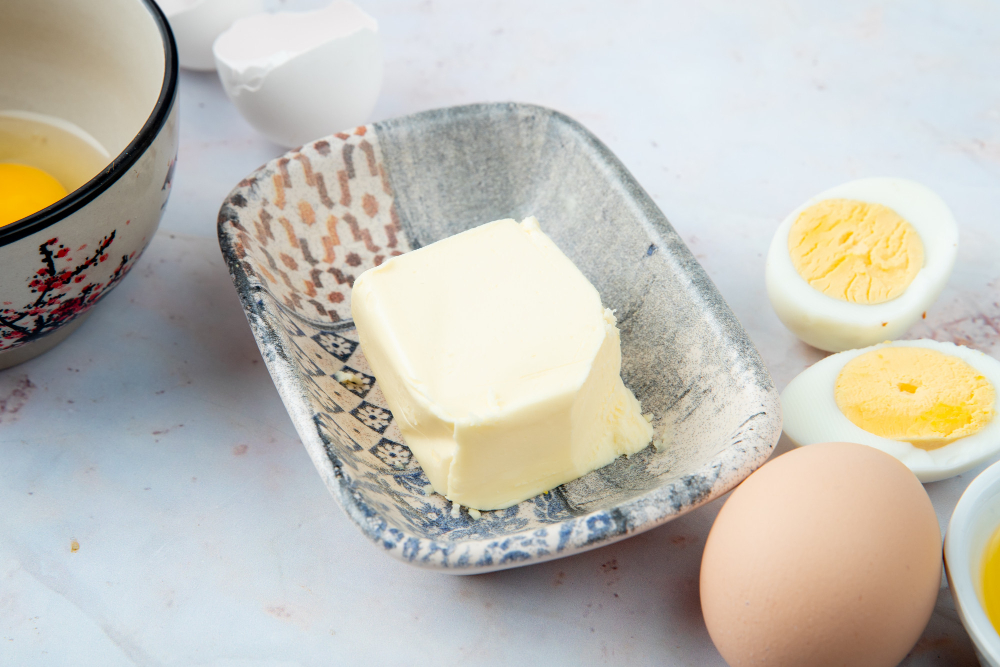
column 121, row 164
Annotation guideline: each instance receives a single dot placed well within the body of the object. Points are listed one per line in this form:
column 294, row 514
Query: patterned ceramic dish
column 108, row 68
column 298, row 231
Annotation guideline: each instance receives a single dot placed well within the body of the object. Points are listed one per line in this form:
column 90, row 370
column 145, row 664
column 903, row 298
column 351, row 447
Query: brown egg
column 827, row 555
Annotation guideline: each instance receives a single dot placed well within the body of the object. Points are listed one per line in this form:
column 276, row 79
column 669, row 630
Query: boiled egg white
column 298, row 76
column 869, row 277
column 196, row 24
column 914, row 400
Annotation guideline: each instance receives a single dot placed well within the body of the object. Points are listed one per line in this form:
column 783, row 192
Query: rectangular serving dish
column 299, row 230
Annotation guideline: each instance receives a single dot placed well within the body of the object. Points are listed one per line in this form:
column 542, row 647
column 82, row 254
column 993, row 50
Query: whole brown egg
column 829, row 555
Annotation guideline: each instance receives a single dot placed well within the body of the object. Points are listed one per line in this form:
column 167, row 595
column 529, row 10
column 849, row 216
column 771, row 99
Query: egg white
column 835, row 325
column 811, row 415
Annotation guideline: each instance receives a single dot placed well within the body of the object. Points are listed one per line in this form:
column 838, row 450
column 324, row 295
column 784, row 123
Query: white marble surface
column 154, row 439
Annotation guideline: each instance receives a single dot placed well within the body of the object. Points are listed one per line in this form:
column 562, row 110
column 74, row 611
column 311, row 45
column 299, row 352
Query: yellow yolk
column 855, row 251
column 991, row 580
column 914, row 395
column 25, row 190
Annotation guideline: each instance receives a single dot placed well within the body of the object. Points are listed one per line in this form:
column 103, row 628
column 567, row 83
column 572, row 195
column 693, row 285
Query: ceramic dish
column 975, row 519
column 109, row 68
column 297, row 232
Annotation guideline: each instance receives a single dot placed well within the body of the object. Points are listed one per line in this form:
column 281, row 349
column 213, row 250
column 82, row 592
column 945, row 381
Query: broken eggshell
column 297, row 76
column 196, row 24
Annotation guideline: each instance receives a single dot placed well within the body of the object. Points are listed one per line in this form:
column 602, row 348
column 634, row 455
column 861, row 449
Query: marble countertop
column 157, row 506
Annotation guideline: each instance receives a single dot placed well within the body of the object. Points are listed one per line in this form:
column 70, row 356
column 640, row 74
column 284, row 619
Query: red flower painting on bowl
column 61, row 289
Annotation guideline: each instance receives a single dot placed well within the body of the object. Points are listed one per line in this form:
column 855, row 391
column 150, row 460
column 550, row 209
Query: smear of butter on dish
column 499, row 364
column 855, row 251
column 347, row 377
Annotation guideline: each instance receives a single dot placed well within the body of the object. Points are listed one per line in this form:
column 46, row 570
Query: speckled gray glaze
column 297, row 231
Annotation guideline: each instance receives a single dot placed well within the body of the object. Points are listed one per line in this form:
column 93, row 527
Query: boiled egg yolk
column 855, row 251
column 915, row 395
column 25, row 190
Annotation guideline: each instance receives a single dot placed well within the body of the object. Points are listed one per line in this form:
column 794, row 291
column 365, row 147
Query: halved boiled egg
column 861, row 262
column 930, row 404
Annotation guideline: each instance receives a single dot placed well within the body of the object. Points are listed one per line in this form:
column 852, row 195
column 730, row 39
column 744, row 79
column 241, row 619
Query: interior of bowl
column 299, row 230
column 98, row 65
column 85, row 88
column 983, row 526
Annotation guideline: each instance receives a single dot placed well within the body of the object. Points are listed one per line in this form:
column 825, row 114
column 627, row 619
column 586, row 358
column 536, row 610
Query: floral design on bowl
column 62, row 293
column 300, row 229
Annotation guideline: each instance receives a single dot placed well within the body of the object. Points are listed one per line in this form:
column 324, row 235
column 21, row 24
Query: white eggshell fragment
column 834, row 325
column 196, row 24
column 297, row 76
column 811, row 415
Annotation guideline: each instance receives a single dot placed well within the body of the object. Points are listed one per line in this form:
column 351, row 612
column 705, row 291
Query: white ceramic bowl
column 974, row 521
column 110, row 69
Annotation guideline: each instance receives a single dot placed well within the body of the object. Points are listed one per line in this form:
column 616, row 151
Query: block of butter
column 499, row 364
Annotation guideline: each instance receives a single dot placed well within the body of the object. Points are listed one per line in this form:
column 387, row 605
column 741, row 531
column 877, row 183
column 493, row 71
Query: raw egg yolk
column 855, row 251
column 25, row 190
column 991, row 580
column 914, row 395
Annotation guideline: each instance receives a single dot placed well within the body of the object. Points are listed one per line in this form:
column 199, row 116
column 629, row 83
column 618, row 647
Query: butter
column 855, row 251
column 499, row 364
